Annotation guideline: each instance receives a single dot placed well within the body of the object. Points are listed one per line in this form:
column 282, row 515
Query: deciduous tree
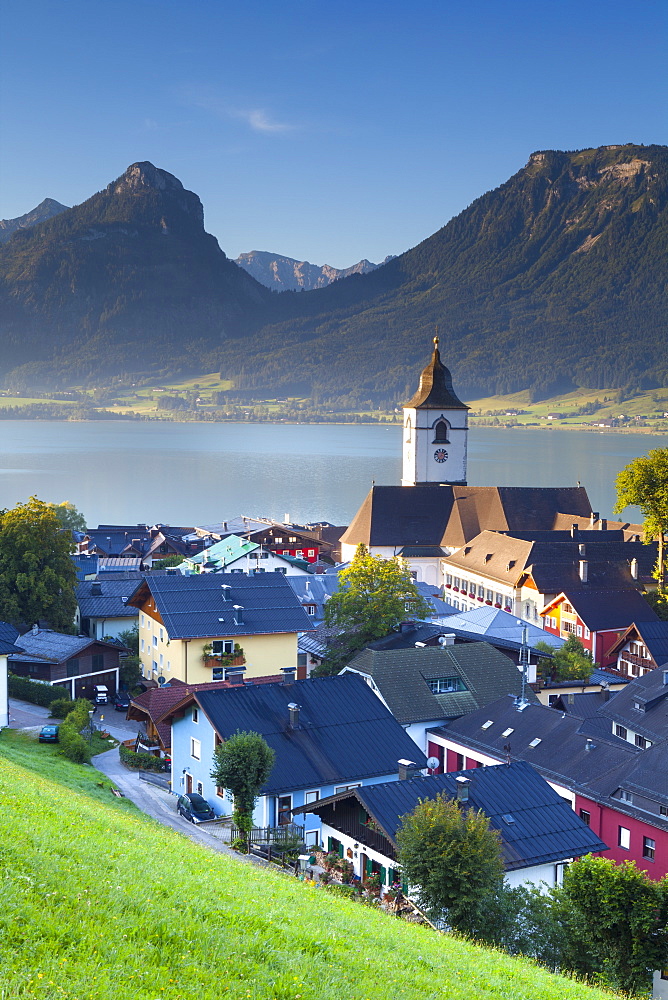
column 449, row 854
column 37, row 576
column 374, row 595
column 644, row 483
column 68, row 515
column 242, row 765
column 570, row 662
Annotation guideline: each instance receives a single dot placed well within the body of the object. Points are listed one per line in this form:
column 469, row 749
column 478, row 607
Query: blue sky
column 326, row 130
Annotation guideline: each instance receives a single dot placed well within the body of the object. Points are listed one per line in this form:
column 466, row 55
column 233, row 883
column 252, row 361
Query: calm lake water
column 126, row 472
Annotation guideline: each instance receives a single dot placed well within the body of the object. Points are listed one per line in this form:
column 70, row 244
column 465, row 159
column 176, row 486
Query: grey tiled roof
column 651, row 695
column 544, row 828
column 401, row 676
column 345, row 732
column 110, row 603
column 194, row 607
column 8, row 637
column 53, row 646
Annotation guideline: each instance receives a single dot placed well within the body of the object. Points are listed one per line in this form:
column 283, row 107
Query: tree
column 448, row 852
column 374, row 595
column 570, row 662
column 37, row 576
column 624, row 913
column 644, row 483
column 242, row 765
column 130, row 671
column 69, row 516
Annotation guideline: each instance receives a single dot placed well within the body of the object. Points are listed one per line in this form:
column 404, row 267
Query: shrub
column 347, row 891
column 141, row 761
column 72, row 744
column 61, row 707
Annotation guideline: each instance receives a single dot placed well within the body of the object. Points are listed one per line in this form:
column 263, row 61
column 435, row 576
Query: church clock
column 441, row 455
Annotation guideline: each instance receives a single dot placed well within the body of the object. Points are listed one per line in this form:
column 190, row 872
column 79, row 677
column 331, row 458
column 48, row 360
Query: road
column 152, row 800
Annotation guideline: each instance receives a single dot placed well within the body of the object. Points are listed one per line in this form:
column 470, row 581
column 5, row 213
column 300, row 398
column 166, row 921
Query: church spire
column 435, row 389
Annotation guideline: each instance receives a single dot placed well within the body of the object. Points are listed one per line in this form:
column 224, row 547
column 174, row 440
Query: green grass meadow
column 101, row 902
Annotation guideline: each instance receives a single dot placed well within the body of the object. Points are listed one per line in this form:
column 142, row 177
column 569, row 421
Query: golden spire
column 436, row 339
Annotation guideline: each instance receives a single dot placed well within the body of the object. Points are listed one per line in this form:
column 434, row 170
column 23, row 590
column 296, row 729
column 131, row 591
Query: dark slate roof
column 651, row 718
column 45, row 644
column 193, row 606
column 8, row 637
column 401, row 516
column 345, row 732
column 583, row 705
column 401, row 677
column 317, row 641
column 609, row 609
column 544, row 828
column 85, row 565
column 109, row 603
column 561, row 754
column 435, row 389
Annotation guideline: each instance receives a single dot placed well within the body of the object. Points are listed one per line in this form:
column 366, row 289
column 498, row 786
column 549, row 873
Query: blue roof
column 194, row 607
column 106, row 599
column 495, row 623
column 345, row 732
column 8, row 637
column 537, row 826
column 85, row 565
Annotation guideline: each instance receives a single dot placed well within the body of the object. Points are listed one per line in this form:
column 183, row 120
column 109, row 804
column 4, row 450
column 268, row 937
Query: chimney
column 603, row 524
column 636, row 538
column 462, row 788
column 446, row 640
column 406, row 627
column 634, row 568
column 589, row 744
column 35, row 629
column 407, row 769
column 235, row 675
column 238, row 614
column 289, row 675
column 665, row 678
column 96, row 590
column 293, row 709
column 570, row 698
column 574, row 531
column 584, row 568
column 581, row 548
column 225, row 590
column 593, row 518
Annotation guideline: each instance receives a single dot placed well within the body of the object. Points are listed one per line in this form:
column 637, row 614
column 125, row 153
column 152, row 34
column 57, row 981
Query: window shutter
column 404, row 886
column 362, row 815
column 369, row 866
column 383, row 876
column 341, row 852
column 330, row 845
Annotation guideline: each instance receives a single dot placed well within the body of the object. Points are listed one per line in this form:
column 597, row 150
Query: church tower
column 435, row 430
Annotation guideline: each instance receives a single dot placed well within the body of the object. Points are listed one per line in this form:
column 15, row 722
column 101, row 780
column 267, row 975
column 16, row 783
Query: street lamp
column 90, row 726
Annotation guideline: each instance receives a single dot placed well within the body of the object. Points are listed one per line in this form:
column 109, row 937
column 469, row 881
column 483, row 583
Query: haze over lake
column 129, row 472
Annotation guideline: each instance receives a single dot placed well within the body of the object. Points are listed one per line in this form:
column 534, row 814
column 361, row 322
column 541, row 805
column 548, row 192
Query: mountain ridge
column 281, row 273
column 45, row 210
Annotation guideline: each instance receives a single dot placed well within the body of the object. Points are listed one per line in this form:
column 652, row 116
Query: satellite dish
column 433, row 763
column 161, row 680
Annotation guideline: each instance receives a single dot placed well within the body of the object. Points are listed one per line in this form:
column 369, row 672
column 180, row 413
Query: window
column 218, row 674
column 311, row 797
column 587, row 633
column 220, row 791
column 579, row 628
column 585, row 817
column 408, row 430
column 641, row 742
column 196, row 715
column 490, row 596
column 142, row 645
column 448, row 579
column 624, row 838
column 283, row 809
column 200, row 788
column 569, row 627
column 98, row 662
column 568, row 608
column 155, row 640
column 456, row 582
column 621, row 731
column 222, row 647
column 459, row 762
column 142, row 620
column 648, row 848
column 161, row 635
column 481, row 591
column 195, row 748
column 346, row 788
column 155, row 666
column 310, row 609
column 663, row 810
column 161, row 661
column 279, row 541
column 446, row 685
column 499, row 598
column 293, row 538
column 72, row 667
column 625, row 796
column 311, row 553
column 299, row 553
column 441, row 432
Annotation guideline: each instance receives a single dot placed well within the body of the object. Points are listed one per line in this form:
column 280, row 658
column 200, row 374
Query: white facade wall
column 4, row 698
column 422, row 451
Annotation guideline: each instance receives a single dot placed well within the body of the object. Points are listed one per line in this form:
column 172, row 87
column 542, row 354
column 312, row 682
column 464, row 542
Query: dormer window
column 441, row 432
column 446, row 685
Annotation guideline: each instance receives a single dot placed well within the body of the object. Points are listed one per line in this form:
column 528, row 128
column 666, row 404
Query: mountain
column 287, row 274
column 555, row 279
column 128, row 281
column 45, row 210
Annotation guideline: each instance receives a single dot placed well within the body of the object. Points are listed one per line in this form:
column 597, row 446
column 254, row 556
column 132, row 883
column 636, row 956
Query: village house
column 641, row 648
column 233, row 554
column 8, row 635
column 75, row 663
column 538, row 832
column 284, row 539
column 102, row 608
column 199, row 628
column 139, row 541
column 327, row 734
column 598, row 617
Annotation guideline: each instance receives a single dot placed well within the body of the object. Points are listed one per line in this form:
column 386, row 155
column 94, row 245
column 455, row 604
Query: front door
column 189, row 782
column 363, row 862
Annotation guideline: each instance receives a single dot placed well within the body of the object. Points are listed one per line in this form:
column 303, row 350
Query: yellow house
column 205, row 627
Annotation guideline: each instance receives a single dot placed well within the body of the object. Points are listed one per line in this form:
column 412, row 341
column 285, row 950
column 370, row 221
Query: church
column 435, row 512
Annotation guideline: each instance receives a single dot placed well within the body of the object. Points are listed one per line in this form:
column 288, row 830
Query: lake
column 126, row 472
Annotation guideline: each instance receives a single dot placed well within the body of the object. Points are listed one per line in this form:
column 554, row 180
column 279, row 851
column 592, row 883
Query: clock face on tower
column 440, row 455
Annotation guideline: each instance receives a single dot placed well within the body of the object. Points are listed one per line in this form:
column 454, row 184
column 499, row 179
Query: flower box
column 488, row 602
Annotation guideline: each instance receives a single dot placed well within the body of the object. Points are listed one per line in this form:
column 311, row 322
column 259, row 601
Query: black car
column 48, row 734
column 121, row 702
column 194, row 807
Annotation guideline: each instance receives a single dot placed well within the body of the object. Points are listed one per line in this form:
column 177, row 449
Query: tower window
column 409, row 436
column 441, row 432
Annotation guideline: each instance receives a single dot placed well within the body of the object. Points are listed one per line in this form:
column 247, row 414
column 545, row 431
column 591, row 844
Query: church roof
column 435, row 390
column 452, row 515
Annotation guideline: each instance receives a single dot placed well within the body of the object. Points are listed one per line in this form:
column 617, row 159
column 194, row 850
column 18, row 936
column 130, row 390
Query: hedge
column 141, row 761
column 33, row 691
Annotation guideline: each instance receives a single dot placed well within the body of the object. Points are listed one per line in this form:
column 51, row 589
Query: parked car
column 48, row 734
column 121, row 702
column 194, row 807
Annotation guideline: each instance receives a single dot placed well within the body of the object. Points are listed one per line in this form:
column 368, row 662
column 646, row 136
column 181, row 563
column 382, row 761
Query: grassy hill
column 101, row 903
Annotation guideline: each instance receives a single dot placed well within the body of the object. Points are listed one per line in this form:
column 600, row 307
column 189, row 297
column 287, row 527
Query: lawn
column 100, row 902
